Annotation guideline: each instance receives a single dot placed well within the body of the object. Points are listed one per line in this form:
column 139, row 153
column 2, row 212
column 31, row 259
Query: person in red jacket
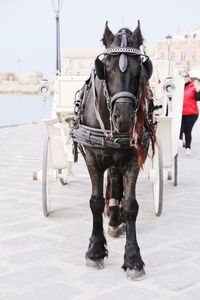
column 190, row 110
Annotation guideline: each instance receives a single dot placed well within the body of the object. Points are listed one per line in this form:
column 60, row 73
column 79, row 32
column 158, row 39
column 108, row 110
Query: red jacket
column 189, row 101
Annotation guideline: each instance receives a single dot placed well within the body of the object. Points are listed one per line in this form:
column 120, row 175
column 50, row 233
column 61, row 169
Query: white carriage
column 59, row 152
column 168, row 89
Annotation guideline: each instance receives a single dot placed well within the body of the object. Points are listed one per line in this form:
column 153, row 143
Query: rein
column 96, row 105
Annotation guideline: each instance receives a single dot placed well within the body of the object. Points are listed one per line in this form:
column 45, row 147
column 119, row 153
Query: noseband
column 122, row 97
column 127, row 97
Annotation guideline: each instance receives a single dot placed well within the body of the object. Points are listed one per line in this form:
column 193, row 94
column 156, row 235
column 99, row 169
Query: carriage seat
column 66, row 87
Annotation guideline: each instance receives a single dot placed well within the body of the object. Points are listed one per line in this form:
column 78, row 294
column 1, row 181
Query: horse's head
column 124, row 74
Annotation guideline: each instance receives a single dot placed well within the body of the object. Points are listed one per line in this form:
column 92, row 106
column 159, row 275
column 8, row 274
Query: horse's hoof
column 98, row 264
column 116, row 231
column 134, row 274
column 123, row 227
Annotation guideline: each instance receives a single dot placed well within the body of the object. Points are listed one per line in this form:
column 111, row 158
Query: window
column 162, row 55
column 188, row 55
column 183, row 56
column 172, row 55
column 193, row 56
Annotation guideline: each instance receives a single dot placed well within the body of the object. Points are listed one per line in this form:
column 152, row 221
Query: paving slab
column 43, row 258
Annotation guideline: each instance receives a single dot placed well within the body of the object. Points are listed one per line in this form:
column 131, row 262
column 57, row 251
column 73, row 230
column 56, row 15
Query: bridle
column 120, row 97
column 104, row 138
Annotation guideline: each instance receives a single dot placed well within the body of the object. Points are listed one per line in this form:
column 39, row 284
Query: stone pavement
column 43, row 258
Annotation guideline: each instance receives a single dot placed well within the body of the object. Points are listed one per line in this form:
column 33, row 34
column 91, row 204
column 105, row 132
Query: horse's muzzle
column 123, row 112
column 123, row 117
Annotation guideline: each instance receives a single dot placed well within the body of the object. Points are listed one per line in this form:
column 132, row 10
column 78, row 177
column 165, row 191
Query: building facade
column 182, row 49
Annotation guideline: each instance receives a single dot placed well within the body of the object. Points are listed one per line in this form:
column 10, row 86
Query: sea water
column 23, row 109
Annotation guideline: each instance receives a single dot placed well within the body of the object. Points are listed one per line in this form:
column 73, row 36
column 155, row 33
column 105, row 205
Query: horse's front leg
column 133, row 263
column 97, row 246
column 114, row 202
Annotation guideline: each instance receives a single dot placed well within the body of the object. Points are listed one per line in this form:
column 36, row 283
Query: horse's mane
column 143, row 119
column 134, row 39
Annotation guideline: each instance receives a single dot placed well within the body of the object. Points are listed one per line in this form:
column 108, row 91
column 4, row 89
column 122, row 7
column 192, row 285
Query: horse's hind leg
column 97, row 246
column 133, row 263
column 114, row 198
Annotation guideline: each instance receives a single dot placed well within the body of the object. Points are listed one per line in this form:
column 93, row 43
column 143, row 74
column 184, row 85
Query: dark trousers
column 186, row 128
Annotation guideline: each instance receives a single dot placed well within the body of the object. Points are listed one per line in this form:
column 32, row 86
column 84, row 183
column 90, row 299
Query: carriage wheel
column 173, row 173
column 46, row 179
column 157, row 166
column 75, row 151
column 176, row 169
column 63, row 181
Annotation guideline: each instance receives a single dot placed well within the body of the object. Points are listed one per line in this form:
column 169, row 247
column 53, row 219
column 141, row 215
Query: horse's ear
column 108, row 36
column 148, row 67
column 137, row 35
column 99, row 67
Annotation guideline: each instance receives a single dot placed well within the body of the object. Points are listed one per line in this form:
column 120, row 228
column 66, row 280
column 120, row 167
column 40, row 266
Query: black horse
column 113, row 129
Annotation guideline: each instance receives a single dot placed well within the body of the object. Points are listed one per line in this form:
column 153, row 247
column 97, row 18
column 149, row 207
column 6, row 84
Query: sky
column 28, row 34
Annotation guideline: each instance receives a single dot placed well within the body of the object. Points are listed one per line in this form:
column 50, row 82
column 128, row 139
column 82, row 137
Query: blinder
column 99, row 67
column 148, row 67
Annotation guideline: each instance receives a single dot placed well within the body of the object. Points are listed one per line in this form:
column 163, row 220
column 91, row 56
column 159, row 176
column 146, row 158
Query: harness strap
column 96, row 106
column 94, row 137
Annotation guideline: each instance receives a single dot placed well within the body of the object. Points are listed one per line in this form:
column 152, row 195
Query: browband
column 125, row 50
column 117, row 50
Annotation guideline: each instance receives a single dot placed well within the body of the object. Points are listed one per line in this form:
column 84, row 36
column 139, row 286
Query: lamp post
column 18, row 65
column 169, row 40
column 57, row 6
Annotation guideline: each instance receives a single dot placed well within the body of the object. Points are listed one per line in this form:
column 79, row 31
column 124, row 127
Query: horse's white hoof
column 98, row 264
column 134, row 274
column 116, row 231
